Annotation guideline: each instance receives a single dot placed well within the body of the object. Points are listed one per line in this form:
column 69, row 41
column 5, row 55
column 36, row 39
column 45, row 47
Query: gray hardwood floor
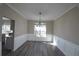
column 35, row 48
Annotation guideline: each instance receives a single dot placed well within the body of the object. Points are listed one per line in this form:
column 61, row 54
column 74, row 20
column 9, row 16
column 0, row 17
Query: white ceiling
column 50, row 11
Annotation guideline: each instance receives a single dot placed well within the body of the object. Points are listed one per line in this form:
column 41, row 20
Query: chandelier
column 39, row 23
column 39, row 18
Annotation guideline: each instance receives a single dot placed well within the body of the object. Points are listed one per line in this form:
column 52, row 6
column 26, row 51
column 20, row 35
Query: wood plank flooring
column 36, row 48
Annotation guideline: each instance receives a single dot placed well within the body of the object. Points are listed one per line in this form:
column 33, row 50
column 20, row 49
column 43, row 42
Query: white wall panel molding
column 68, row 48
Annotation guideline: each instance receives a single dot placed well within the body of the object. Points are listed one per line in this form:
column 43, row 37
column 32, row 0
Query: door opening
column 7, row 35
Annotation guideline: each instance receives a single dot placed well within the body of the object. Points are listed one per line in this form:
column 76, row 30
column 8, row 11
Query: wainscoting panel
column 68, row 48
column 32, row 37
column 20, row 40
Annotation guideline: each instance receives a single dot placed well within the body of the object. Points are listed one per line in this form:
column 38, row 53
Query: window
column 40, row 30
column 5, row 28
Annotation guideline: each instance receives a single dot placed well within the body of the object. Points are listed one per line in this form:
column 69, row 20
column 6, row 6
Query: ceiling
column 50, row 11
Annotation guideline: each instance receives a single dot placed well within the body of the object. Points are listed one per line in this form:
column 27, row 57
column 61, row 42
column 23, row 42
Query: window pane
column 40, row 30
column 5, row 28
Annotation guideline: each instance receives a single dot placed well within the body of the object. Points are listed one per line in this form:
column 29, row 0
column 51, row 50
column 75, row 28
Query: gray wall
column 20, row 22
column 49, row 31
column 1, row 22
column 67, row 26
column 49, row 26
column 66, row 32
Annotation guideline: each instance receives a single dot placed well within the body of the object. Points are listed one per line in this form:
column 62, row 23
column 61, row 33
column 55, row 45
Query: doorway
column 7, row 35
